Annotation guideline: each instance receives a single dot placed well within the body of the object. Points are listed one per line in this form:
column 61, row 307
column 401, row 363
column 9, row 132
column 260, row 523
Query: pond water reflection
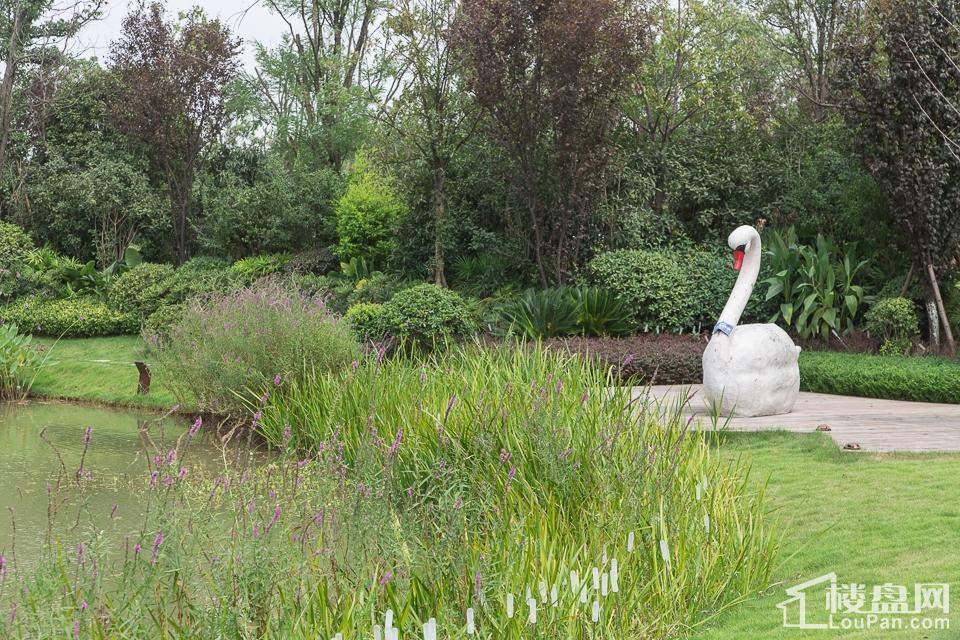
column 42, row 444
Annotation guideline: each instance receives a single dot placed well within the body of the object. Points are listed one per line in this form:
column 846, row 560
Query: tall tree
column 901, row 87
column 550, row 75
column 30, row 32
column 316, row 85
column 433, row 116
column 809, row 32
column 172, row 80
column 704, row 65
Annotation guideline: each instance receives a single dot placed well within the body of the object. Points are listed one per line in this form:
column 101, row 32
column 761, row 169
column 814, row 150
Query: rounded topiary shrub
column 70, row 318
column 427, row 314
column 894, row 322
column 134, row 291
column 368, row 321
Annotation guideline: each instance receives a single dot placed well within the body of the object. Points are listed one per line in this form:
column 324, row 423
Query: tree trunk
column 6, row 89
column 180, row 191
column 933, row 322
column 944, row 320
column 439, row 223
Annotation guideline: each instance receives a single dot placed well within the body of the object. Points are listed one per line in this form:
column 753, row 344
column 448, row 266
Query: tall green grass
column 428, row 489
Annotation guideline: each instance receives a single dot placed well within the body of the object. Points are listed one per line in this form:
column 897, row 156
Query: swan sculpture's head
column 740, row 241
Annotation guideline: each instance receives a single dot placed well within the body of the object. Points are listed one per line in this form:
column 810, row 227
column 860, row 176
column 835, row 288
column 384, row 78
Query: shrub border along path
column 872, row 424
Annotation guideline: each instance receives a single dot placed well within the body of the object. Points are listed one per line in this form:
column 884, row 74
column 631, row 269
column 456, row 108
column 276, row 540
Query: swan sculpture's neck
column 742, row 290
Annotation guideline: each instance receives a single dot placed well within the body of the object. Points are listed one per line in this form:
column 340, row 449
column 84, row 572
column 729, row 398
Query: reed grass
column 426, row 489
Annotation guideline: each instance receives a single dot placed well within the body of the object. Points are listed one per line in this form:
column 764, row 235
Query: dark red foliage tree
column 172, row 83
column 550, row 75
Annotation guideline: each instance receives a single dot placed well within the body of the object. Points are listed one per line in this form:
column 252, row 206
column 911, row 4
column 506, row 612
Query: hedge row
column 920, row 379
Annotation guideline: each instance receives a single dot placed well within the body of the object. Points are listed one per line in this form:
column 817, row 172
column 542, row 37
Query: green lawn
column 870, row 518
column 99, row 370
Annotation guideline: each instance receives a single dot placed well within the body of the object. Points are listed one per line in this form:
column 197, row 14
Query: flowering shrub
column 367, row 321
column 234, row 341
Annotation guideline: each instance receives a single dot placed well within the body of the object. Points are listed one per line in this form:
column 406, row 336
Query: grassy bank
column 99, row 370
column 921, row 379
column 871, row 519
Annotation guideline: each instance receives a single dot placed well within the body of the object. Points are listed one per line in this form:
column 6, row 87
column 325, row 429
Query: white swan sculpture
column 749, row 370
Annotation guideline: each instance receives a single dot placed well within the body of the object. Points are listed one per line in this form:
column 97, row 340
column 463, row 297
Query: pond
column 43, row 445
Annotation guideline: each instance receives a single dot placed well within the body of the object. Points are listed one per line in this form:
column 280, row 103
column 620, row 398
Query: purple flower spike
column 195, row 427
column 87, row 435
column 156, row 547
column 277, row 380
column 387, row 577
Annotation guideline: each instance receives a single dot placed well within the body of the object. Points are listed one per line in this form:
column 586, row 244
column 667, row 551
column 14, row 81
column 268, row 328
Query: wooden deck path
column 875, row 425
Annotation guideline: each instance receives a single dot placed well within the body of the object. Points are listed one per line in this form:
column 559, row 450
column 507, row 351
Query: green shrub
column 367, row 215
column 368, row 321
column 427, row 314
column 249, row 270
column 563, row 311
column 71, row 318
column 157, row 326
column 653, row 285
column 15, row 272
column 920, row 379
column 197, row 277
column 894, row 322
column 133, row 291
column 377, row 289
column 239, row 340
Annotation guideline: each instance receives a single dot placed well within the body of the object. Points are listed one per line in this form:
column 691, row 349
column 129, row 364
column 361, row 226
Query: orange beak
column 737, row 258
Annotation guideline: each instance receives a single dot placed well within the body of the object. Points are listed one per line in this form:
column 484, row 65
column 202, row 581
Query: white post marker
column 630, row 541
column 543, row 591
column 596, row 611
column 532, row 617
column 614, row 575
column 509, row 605
column 596, row 579
column 604, row 584
column 574, row 582
column 665, row 553
column 388, row 620
column 554, row 595
column 471, row 623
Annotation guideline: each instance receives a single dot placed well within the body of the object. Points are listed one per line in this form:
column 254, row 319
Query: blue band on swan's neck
column 723, row 327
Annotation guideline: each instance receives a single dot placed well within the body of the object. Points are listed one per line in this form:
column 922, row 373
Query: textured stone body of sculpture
column 749, row 370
